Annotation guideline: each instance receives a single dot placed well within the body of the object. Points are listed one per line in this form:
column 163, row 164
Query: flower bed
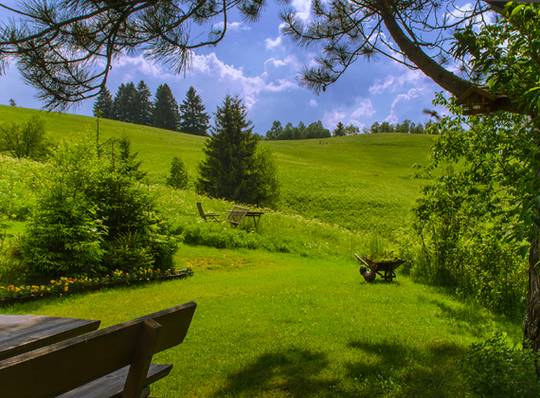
column 12, row 294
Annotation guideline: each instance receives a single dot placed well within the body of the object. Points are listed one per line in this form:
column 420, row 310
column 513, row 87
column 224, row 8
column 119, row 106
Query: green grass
column 292, row 317
column 278, row 325
column 363, row 183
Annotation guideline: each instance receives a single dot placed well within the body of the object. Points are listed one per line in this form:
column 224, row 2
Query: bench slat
column 112, row 384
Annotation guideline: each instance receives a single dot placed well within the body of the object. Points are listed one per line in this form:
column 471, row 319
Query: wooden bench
column 236, row 215
column 207, row 216
column 111, row 362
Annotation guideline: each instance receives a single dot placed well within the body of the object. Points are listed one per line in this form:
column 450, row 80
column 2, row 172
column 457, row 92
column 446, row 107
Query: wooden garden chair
column 236, row 215
column 207, row 216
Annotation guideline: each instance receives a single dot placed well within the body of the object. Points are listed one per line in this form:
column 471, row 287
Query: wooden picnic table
column 23, row 333
column 255, row 216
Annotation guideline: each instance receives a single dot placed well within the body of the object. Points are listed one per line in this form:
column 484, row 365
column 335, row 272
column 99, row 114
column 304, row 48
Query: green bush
column 178, row 177
column 92, row 218
column 495, row 369
column 25, row 140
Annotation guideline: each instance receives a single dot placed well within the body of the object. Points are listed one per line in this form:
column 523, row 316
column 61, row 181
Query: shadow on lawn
column 383, row 368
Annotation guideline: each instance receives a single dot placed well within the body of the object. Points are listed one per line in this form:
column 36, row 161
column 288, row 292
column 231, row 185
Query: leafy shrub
column 25, row 140
column 178, row 177
column 495, row 369
column 473, row 221
column 92, row 218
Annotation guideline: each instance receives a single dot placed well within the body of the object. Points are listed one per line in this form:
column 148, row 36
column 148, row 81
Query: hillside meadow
column 282, row 310
column 363, row 183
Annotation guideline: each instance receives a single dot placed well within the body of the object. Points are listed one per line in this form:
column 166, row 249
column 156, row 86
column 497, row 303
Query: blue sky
column 256, row 62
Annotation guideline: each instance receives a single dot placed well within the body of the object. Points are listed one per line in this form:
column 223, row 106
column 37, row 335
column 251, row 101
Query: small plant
column 496, row 369
column 25, row 140
column 178, row 177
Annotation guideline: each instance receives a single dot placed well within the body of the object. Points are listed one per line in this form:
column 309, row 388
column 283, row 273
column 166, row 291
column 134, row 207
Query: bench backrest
column 61, row 367
column 237, row 214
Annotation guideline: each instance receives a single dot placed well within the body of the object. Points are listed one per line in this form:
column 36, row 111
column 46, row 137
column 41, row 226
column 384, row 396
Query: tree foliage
column 66, row 48
column 193, row 118
column 289, row 132
column 143, row 107
column 25, row 140
column 124, row 103
column 92, row 218
column 104, row 105
column 233, row 169
column 178, row 177
column 165, row 114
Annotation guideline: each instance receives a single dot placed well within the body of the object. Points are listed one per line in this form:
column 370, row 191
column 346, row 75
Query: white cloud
column 362, row 108
column 313, row 103
column 302, row 8
column 289, row 60
column 230, row 77
column 403, row 97
column 273, row 43
column 235, row 26
column 394, row 82
column 249, row 87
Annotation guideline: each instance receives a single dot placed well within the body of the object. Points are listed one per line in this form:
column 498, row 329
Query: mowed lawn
column 278, row 325
column 364, row 183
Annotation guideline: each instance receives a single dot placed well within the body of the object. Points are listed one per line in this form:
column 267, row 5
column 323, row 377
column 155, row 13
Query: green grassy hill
column 291, row 317
column 363, row 183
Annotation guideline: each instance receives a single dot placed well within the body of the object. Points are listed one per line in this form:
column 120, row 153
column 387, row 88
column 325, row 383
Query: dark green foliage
column 165, row 114
column 12, row 102
column 474, row 220
column 193, row 118
column 494, row 369
column 406, row 126
column 314, row 130
column 128, row 163
column 104, row 106
column 143, row 104
column 25, row 140
column 124, row 103
column 275, row 131
column 178, row 177
column 340, row 130
column 232, row 168
column 92, row 218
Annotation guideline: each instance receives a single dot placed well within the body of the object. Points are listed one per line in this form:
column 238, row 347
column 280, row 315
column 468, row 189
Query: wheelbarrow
column 369, row 269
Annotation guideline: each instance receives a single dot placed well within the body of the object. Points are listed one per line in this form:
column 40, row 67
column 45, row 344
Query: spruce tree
column 193, row 118
column 340, row 130
column 143, row 104
column 104, row 106
column 124, row 103
column 276, row 131
column 233, row 169
column 165, row 113
column 178, row 177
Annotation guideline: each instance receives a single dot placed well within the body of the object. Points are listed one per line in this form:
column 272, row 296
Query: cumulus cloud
column 394, row 82
column 230, row 77
column 302, row 8
column 362, row 108
column 235, row 26
column 249, row 87
column 273, row 43
column 403, row 97
column 289, row 60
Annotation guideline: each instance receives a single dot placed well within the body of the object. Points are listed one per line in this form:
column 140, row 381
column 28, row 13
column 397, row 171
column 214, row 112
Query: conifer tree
column 233, row 169
column 104, row 106
column 193, row 118
column 178, row 177
column 143, row 104
column 124, row 103
column 276, row 131
column 340, row 130
column 165, row 113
